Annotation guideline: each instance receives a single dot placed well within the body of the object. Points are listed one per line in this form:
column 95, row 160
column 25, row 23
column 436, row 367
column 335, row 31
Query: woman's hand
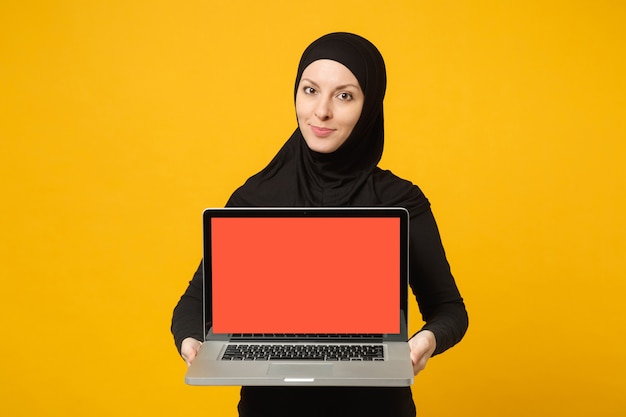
column 189, row 349
column 422, row 346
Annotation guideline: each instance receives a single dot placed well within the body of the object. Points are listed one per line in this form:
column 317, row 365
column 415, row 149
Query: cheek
column 351, row 119
column 300, row 110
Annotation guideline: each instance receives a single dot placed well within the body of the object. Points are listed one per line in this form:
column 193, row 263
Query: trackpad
column 301, row 370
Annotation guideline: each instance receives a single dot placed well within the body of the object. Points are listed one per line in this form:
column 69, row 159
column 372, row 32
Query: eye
column 345, row 96
column 309, row 90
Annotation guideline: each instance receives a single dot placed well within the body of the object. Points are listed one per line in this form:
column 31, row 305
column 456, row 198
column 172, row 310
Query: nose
column 323, row 110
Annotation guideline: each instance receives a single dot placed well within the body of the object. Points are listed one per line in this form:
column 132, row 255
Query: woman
column 331, row 160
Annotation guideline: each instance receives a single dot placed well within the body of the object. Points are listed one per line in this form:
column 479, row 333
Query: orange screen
column 305, row 275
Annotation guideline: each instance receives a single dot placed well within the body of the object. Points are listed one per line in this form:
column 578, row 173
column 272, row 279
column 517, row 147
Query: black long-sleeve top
column 431, row 281
column 430, row 278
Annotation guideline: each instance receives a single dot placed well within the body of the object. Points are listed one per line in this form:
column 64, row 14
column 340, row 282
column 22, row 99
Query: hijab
column 349, row 176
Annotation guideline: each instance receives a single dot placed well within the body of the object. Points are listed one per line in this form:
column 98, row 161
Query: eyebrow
column 339, row 87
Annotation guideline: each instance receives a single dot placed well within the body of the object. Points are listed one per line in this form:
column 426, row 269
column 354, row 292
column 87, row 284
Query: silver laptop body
column 304, row 296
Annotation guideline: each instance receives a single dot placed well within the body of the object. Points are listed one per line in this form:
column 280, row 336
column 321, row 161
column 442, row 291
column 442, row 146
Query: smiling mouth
column 321, row 131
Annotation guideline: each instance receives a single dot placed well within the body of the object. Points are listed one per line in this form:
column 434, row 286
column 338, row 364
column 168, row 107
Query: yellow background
column 121, row 120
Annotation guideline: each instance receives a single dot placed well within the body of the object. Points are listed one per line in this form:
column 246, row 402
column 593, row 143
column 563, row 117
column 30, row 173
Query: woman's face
column 328, row 105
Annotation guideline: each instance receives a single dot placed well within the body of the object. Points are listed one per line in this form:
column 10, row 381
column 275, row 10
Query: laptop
column 304, row 296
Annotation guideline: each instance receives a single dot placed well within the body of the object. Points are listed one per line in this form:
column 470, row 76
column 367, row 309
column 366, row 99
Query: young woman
column 331, row 160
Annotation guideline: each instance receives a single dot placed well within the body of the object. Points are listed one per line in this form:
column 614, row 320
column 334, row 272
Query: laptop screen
column 305, row 274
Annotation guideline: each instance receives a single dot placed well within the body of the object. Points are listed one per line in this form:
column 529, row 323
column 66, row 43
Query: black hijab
column 300, row 177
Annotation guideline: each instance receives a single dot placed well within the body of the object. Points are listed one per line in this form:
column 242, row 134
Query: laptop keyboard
column 320, row 352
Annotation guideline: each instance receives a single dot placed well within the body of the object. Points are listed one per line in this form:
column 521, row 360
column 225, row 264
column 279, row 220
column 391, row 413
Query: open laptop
column 305, row 296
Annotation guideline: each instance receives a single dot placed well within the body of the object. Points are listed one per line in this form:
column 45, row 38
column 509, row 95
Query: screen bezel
column 333, row 212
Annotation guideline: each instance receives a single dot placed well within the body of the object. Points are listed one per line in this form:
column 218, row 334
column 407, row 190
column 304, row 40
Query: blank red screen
column 305, row 275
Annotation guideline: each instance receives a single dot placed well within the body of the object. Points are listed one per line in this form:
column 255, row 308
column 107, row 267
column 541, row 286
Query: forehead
column 329, row 71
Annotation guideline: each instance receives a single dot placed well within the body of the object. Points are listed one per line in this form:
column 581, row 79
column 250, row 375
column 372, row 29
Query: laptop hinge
column 345, row 338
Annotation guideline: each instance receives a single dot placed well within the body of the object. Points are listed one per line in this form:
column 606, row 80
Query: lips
column 321, row 131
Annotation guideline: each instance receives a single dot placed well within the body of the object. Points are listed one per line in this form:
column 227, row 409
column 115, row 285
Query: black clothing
column 349, row 176
column 326, row 402
column 431, row 281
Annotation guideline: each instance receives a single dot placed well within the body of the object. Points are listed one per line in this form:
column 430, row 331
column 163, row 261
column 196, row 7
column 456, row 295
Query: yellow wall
column 121, row 120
